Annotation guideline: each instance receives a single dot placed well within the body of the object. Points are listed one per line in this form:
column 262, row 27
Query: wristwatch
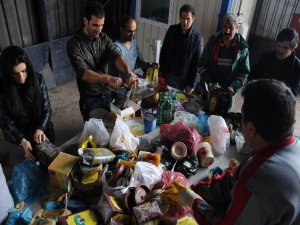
column 131, row 74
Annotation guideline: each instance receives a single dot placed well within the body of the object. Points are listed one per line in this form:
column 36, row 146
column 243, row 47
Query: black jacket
column 180, row 55
column 17, row 125
column 287, row 70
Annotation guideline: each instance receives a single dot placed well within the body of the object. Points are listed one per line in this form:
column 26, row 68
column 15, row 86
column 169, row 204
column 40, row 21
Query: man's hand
column 181, row 194
column 190, row 90
column 114, row 82
column 133, row 81
column 27, row 149
column 39, row 136
column 230, row 91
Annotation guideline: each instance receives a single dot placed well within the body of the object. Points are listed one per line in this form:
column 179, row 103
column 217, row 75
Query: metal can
column 204, row 154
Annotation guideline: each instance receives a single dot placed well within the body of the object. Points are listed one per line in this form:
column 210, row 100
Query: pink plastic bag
column 169, row 176
column 181, row 132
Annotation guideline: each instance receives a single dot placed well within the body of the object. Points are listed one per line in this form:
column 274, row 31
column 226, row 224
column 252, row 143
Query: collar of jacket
column 188, row 33
column 217, row 46
column 290, row 59
column 269, row 151
column 82, row 35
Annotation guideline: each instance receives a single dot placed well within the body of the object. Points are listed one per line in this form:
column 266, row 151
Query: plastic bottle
column 155, row 74
column 165, row 108
column 149, row 74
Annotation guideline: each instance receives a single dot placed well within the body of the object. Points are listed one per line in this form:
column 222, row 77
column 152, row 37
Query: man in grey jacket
column 266, row 187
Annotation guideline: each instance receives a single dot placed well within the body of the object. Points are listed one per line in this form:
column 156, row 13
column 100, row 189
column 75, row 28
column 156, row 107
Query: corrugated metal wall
column 271, row 16
column 206, row 22
column 19, row 23
column 43, row 28
column 66, row 16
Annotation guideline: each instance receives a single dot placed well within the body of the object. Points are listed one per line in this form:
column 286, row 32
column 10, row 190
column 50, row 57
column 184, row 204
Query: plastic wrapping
column 220, row 136
column 28, row 182
column 145, row 174
column 121, row 137
column 181, row 132
column 96, row 156
column 96, row 128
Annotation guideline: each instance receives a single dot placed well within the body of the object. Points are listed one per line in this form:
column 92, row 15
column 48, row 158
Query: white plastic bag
column 145, row 174
column 122, row 138
column 96, row 128
column 6, row 201
column 187, row 118
column 219, row 133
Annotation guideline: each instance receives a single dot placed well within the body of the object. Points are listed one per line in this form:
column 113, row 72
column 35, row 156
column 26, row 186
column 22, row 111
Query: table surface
column 221, row 160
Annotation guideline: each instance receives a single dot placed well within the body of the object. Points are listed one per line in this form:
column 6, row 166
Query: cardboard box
column 147, row 212
column 125, row 113
column 60, row 170
column 109, row 207
column 84, row 217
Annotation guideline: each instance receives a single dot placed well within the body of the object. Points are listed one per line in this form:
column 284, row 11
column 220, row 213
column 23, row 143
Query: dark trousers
column 89, row 103
column 175, row 82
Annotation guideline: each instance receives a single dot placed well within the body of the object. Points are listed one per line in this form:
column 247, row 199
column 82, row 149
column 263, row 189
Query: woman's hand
column 27, row 149
column 39, row 136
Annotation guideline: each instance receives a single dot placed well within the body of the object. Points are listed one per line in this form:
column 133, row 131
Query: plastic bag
column 122, row 138
column 145, row 174
column 115, row 191
column 169, row 176
column 19, row 217
column 6, row 200
column 202, row 124
column 187, row 118
column 181, row 132
column 96, row 128
column 28, row 182
column 219, row 133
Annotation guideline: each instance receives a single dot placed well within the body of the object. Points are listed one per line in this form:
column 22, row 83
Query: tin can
column 204, row 154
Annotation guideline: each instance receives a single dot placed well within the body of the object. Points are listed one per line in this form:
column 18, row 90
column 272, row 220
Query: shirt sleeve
column 163, row 52
column 46, row 107
column 240, row 75
column 140, row 62
column 76, row 57
column 194, row 72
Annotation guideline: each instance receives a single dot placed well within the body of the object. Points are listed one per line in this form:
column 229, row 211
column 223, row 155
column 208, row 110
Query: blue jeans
column 89, row 103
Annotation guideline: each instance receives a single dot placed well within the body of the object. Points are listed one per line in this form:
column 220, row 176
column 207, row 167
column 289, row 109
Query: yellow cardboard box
column 60, row 170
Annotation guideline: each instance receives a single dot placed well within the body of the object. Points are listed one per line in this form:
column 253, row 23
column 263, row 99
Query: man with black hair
column 181, row 51
column 266, row 187
column 127, row 46
column 89, row 51
column 281, row 64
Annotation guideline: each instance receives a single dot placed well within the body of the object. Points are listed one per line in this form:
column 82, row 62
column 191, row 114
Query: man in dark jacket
column 181, row 51
column 281, row 64
column 225, row 59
